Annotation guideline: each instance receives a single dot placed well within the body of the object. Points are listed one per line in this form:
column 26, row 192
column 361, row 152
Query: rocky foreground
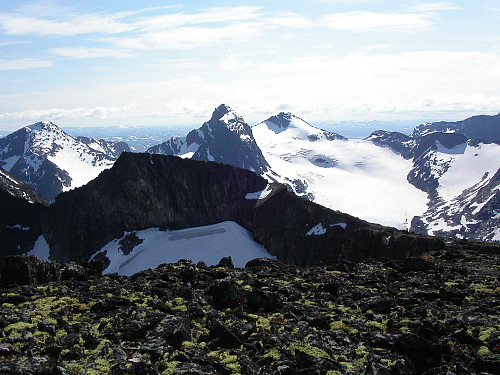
column 438, row 314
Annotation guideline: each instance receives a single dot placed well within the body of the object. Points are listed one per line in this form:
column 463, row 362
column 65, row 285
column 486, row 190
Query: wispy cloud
column 20, row 64
column 431, row 6
column 15, row 24
column 361, row 21
column 87, row 52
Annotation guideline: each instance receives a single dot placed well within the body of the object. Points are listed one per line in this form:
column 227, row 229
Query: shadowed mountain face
column 482, row 127
column 20, row 208
column 143, row 190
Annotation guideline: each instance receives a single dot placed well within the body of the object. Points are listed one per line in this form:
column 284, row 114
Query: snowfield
column 353, row 176
column 208, row 244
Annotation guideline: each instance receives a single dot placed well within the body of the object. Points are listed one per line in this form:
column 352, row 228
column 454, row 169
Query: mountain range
column 439, row 180
column 307, row 195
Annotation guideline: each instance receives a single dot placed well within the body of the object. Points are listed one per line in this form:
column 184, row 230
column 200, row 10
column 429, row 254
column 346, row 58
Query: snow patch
column 9, row 162
column 342, row 225
column 259, row 194
column 18, row 226
column 209, row 244
column 41, row 249
column 317, row 230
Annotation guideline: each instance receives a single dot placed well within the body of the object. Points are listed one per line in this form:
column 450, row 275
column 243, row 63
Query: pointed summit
column 220, row 111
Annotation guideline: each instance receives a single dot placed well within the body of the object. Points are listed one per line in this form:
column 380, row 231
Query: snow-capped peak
column 44, row 125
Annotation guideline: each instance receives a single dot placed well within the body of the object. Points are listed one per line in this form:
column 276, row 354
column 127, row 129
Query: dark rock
column 424, row 354
column 226, row 262
column 29, row 270
column 128, row 242
column 174, row 330
column 413, row 264
column 74, row 271
column 262, row 301
column 225, row 293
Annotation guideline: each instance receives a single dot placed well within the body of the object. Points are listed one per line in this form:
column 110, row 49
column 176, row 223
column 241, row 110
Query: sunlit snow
column 207, row 243
column 469, row 165
column 353, row 176
column 259, row 194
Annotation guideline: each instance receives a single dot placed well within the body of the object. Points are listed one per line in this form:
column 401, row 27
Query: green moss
column 486, row 333
column 273, row 353
column 309, row 349
column 230, row 361
column 18, row 327
column 482, row 351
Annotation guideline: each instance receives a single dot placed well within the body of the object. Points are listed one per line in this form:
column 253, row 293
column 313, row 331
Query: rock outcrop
column 20, row 208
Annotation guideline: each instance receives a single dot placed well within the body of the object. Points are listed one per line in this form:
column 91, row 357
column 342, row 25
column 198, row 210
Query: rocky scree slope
column 143, row 190
column 51, row 161
column 436, row 314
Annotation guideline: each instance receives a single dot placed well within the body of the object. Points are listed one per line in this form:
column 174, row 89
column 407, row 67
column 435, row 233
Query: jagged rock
column 174, row 330
column 29, row 270
column 226, row 262
column 225, row 293
column 262, row 301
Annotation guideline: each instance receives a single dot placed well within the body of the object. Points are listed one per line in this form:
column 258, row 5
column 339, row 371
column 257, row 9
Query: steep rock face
column 51, row 161
column 482, row 127
column 143, row 191
column 225, row 138
column 20, row 209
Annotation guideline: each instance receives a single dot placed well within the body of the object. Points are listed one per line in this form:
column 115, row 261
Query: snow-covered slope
column 461, row 177
column 151, row 247
column 353, row 176
column 466, row 202
column 51, row 161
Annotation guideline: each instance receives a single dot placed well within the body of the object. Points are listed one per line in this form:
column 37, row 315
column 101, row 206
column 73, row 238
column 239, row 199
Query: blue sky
column 94, row 63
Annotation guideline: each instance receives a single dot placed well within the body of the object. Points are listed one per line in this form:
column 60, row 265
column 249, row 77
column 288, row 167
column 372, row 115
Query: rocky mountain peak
column 282, row 119
column 220, row 112
column 44, row 125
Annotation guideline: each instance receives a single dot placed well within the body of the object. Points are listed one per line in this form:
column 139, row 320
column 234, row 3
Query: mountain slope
column 20, row 208
column 353, row 176
column 225, row 138
column 461, row 177
column 51, row 161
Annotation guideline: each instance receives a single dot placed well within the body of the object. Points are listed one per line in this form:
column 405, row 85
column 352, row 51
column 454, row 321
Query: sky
column 130, row 62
